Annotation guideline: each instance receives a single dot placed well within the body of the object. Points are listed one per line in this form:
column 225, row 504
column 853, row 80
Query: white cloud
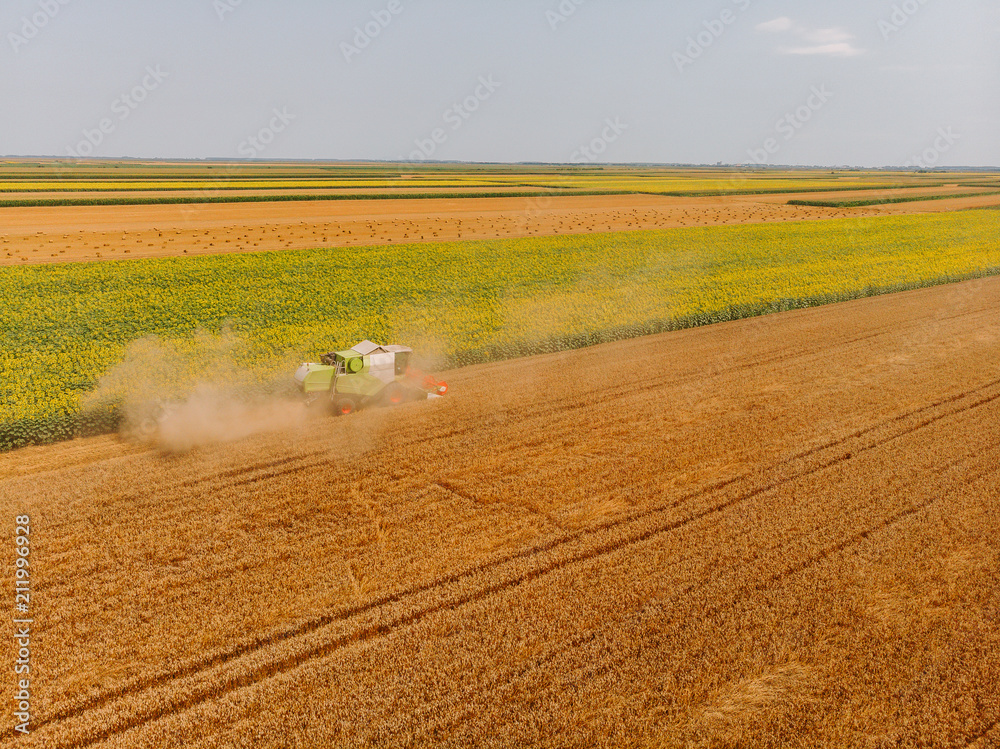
column 840, row 49
column 782, row 23
column 834, row 35
column 833, row 41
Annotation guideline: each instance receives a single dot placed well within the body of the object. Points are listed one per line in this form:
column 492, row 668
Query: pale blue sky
column 866, row 82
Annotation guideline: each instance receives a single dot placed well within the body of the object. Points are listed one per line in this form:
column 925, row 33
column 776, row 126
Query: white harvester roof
column 366, row 348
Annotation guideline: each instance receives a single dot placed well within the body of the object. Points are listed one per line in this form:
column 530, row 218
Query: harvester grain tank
column 366, row 374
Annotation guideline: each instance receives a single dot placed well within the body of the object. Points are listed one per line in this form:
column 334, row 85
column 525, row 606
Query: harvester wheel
column 394, row 394
column 147, row 427
column 343, row 406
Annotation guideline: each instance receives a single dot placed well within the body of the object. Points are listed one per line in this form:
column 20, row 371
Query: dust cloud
column 182, row 394
column 211, row 415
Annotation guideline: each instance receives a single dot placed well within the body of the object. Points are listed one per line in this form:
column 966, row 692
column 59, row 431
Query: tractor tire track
column 973, row 741
column 220, row 477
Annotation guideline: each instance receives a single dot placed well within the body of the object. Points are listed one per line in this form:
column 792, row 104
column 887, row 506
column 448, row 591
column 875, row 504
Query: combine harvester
column 367, row 374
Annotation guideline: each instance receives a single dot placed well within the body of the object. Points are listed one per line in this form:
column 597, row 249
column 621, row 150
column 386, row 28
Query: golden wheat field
column 774, row 532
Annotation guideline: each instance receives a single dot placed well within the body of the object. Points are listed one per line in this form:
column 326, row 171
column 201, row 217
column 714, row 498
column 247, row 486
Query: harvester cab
column 366, row 374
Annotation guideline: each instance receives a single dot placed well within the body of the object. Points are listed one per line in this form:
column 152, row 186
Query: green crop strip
column 887, row 201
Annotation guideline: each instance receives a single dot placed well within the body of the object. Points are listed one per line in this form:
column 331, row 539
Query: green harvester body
column 365, row 374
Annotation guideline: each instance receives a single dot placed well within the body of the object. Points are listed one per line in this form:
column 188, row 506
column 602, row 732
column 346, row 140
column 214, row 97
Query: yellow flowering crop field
column 65, row 325
column 735, row 183
column 76, row 179
column 716, row 184
column 225, row 184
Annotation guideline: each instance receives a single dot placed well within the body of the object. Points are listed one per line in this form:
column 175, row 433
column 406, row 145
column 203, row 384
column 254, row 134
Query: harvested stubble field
column 67, row 233
column 775, row 532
